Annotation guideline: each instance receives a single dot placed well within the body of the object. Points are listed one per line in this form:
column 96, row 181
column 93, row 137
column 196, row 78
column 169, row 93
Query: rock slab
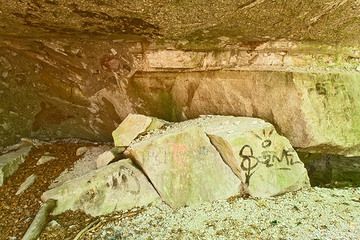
column 184, row 167
column 10, row 162
column 132, row 126
column 118, row 186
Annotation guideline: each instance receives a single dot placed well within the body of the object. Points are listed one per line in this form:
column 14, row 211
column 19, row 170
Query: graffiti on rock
column 267, row 157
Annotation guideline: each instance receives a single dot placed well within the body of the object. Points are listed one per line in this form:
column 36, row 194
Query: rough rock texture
column 184, row 167
column 317, row 111
column 118, row 186
column 108, row 79
column 77, row 69
column 263, row 160
column 10, row 162
column 200, row 20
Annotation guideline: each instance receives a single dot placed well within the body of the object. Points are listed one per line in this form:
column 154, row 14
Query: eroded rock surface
column 77, row 69
column 118, row 186
column 198, row 21
column 296, row 86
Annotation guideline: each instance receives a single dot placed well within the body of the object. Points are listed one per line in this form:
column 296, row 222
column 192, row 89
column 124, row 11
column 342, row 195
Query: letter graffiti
column 249, row 161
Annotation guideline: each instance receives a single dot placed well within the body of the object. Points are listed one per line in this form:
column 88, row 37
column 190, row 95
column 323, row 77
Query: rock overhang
column 191, row 22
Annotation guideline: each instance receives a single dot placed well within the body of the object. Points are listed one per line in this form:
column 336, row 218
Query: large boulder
column 265, row 161
column 118, row 186
column 11, row 161
column 184, row 167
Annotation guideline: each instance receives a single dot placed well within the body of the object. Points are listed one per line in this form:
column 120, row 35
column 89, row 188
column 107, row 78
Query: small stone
column 81, row 150
column 109, row 156
column 26, row 184
column 113, row 51
column 104, row 159
column 5, row 74
column 54, row 224
column 45, row 159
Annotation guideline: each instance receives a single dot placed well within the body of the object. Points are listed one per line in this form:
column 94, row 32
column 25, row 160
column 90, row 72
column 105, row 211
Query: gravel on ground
column 318, row 213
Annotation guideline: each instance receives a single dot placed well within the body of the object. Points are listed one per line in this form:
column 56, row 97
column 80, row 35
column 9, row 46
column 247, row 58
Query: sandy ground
column 317, row 213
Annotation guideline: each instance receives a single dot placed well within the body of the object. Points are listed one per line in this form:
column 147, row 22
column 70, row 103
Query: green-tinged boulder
column 118, row 186
column 264, row 161
column 184, row 167
column 10, row 162
column 132, row 126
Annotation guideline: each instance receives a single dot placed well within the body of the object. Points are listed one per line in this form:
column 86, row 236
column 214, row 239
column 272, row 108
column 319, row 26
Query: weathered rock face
column 308, row 91
column 77, row 69
column 185, row 168
column 194, row 21
column 318, row 111
column 118, row 186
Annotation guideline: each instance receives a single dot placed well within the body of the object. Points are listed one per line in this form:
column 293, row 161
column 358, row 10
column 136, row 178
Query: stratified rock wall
column 71, row 87
column 77, row 69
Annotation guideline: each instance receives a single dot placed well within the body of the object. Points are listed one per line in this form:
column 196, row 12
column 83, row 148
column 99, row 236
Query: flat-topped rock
column 132, row 126
column 10, row 162
column 118, row 186
column 184, row 167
